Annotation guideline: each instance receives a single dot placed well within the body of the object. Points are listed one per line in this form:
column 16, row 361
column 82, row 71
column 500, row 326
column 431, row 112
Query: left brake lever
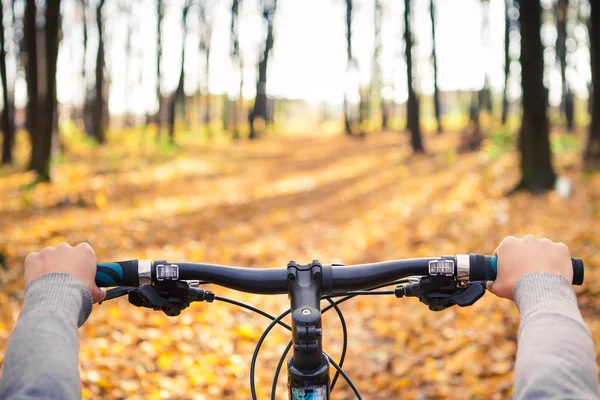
column 118, row 292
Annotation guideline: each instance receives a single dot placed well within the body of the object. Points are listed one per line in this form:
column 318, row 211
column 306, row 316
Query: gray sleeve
column 555, row 354
column 42, row 357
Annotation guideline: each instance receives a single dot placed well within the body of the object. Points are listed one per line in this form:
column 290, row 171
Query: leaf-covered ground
column 262, row 204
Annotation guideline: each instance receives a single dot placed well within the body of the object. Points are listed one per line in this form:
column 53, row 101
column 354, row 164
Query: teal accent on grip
column 494, row 263
column 114, row 266
column 104, row 280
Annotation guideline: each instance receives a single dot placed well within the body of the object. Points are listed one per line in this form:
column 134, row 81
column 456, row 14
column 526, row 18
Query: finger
column 505, row 242
column 30, row 257
column 64, row 245
column 490, row 286
column 98, row 294
column 86, row 246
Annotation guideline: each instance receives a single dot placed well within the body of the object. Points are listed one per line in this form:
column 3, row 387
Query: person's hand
column 79, row 261
column 517, row 257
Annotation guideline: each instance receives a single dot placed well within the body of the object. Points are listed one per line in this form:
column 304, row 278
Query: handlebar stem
column 305, row 288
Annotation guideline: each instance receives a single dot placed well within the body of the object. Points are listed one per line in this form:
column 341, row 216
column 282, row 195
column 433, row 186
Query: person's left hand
column 79, row 261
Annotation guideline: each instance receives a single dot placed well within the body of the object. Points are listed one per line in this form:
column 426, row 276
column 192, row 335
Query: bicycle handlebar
column 336, row 277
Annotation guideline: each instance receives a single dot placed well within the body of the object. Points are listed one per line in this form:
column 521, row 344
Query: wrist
column 537, row 291
column 60, row 292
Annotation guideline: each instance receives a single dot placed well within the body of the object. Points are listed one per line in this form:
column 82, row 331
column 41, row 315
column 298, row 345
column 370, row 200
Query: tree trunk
column 235, row 55
column 507, row 26
column 260, row 102
column 347, row 113
column 593, row 145
column 436, row 93
column 86, row 104
column 47, row 94
column 561, row 52
column 472, row 136
column 7, row 118
column 412, row 105
column 179, row 97
column 159, row 18
column 207, row 118
column 30, row 36
column 128, row 116
column 534, row 136
column 98, row 103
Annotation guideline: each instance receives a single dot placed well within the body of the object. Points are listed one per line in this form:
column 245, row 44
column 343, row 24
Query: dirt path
column 262, row 204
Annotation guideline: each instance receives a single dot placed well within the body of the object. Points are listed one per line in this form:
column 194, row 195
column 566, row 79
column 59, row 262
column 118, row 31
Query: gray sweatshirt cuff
column 540, row 291
column 58, row 291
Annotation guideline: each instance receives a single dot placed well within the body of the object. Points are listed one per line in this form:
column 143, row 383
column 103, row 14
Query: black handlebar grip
column 484, row 268
column 120, row 273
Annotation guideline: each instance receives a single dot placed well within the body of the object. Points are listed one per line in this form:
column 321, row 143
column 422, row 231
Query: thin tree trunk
column 377, row 79
column 436, row 93
column 207, row 119
column 593, row 145
column 507, row 25
column 179, row 96
column 240, row 104
column 534, row 136
column 347, row 116
column 30, row 36
column 129, row 119
column 260, row 102
column 159, row 18
column 7, row 121
column 86, row 117
column 97, row 112
column 412, row 105
column 235, row 54
column 561, row 52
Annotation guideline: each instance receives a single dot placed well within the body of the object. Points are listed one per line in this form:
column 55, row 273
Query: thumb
column 490, row 286
column 98, row 294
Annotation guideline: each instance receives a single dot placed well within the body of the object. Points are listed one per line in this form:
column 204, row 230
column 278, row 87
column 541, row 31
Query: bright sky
column 309, row 56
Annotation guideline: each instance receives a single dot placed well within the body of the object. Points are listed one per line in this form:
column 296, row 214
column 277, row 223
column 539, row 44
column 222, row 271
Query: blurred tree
column 567, row 106
column 507, row 60
column 98, row 101
column 31, row 72
column 472, row 135
column 485, row 96
column 126, row 12
column 205, row 42
column 436, row 93
column 347, row 119
column 86, row 103
column 46, row 107
column 534, row 136
column 178, row 99
column 592, row 151
column 7, row 117
column 159, row 18
column 377, row 79
column 236, row 57
column 260, row 103
column 412, row 104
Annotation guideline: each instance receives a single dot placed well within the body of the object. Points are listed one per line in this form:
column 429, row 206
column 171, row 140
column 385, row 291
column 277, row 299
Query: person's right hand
column 517, row 257
column 79, row 261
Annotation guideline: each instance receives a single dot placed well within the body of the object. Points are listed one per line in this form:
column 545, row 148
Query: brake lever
column 441, row 292
column 171, row 297
column 117, row 292
column 463, row 298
